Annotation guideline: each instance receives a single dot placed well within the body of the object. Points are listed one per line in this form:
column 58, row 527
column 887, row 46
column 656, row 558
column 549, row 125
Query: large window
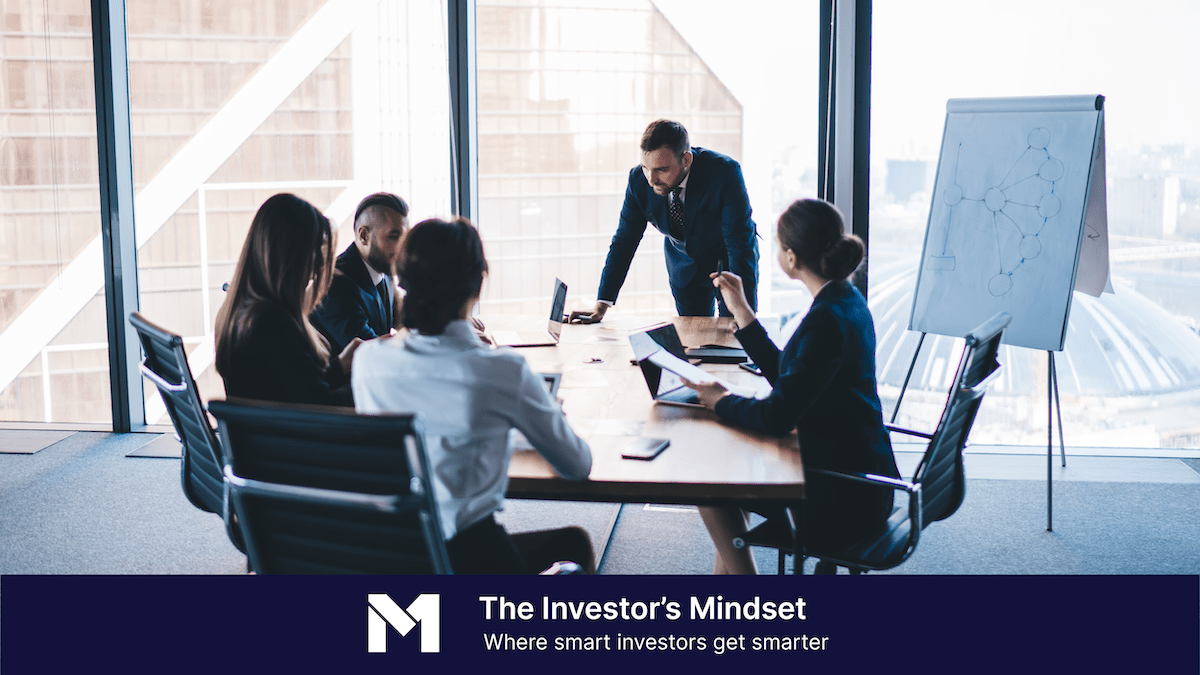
column 565, row 90
column 232, row 101
column 235, row 101
column 55, row 363
column 1130, row 374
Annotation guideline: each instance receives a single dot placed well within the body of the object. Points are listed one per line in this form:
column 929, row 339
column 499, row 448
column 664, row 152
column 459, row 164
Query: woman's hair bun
column 842, row 257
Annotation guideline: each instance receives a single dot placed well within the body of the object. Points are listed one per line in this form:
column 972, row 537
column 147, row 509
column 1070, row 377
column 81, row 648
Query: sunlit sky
column 1140, row 55
column 765, row 51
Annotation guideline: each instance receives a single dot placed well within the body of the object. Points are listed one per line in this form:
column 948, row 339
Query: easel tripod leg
column 1062, row 444
column 904, row 387
column 1050, row 444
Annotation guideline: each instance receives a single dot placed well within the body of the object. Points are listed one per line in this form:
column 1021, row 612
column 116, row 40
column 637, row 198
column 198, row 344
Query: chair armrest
column 872, row 479
column 913, row 490
column 910, row 432
column 159, row 381
column 370, row 502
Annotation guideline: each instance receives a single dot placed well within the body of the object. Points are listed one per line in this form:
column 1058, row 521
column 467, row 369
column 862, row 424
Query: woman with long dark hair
column 265, row 346
column 471, row 396
column 823, row 385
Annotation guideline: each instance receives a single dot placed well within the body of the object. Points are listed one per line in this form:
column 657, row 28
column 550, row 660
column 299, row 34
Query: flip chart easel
column 1018, row 221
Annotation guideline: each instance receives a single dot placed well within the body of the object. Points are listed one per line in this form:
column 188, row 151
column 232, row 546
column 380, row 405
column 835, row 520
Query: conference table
column 608, row 403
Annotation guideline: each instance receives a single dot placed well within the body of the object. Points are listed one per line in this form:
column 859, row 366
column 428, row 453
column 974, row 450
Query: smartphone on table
column 646, row 448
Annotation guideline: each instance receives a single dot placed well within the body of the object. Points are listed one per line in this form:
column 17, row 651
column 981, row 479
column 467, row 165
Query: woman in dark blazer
column 265, row 346
column 823, row 385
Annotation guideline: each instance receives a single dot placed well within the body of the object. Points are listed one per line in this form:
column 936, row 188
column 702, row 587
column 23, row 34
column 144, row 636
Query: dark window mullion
column 115, row 155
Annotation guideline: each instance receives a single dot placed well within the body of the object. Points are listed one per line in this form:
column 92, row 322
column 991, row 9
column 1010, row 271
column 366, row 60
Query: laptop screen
column 557, row 305
column 664, row 336
column 646, row 343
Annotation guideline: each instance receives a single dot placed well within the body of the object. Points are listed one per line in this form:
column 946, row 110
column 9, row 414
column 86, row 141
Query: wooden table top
column 608, row 403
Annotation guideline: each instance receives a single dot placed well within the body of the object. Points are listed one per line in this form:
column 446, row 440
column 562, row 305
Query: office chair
column 938, row 484
column 322, row 490
column 166, row 365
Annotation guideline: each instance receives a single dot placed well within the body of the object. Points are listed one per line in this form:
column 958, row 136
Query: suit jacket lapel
column 658, row 205
column 356, row 268
column 695, row 190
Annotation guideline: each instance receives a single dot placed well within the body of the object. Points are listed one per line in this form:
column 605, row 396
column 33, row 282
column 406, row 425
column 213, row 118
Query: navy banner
column 598, row 624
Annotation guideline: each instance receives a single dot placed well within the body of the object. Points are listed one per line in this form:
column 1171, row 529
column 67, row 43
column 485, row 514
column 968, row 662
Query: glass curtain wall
column 234, row 101
column 55, row 363
column 565, row 91
column 1130, row 373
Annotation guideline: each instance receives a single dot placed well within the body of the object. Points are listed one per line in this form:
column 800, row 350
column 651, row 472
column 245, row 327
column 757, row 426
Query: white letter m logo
column 382, row 611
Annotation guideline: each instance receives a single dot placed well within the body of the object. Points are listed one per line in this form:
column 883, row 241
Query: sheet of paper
column 1093, row 276
column 669, row 362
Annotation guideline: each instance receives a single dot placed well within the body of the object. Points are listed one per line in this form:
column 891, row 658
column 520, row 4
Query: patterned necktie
column 675, row 214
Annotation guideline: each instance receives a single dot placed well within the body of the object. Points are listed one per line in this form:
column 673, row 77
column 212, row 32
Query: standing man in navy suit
column 362, row 296
column 698, row 199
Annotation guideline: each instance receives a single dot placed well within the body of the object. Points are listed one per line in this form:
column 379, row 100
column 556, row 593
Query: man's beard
column 379, row 262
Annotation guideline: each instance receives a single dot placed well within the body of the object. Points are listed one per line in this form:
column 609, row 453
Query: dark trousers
column 487, row 548
column 698, row 297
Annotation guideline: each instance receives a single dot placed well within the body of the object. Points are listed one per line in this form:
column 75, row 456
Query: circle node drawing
column 1030, row 247
column 1000, row 284
column 1049, row 205
column 995, row 199
column 953, row 194
column 1051, row 170
column 1013, row 211
column 1039, row 138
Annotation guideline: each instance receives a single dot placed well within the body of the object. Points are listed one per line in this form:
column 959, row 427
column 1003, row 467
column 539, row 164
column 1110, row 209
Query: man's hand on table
column 594, row 316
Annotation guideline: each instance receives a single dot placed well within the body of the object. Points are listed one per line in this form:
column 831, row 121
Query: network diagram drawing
column 1019, row 205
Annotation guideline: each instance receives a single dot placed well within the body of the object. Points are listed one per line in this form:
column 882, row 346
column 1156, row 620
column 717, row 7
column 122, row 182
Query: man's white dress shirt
column 471, row 396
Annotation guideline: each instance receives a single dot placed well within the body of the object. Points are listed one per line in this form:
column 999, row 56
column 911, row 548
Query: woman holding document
column 823, row 386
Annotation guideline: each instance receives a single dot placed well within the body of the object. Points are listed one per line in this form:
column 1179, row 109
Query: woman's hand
column 480, row 330
column 734, row 293
column 346, row 358
column 709, row 392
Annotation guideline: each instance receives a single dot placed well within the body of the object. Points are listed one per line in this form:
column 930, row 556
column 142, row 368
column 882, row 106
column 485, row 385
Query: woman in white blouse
column 471, row 396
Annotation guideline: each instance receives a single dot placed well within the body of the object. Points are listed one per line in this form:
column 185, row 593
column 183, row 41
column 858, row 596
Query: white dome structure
column 1127, row 363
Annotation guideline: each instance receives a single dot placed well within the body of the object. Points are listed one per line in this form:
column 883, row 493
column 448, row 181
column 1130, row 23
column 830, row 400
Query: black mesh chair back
column 940, row 472
column 322, row 490
column 166, row 365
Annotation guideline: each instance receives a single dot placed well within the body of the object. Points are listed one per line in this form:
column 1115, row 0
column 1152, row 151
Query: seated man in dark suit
column 698, row 199
column 362, row 297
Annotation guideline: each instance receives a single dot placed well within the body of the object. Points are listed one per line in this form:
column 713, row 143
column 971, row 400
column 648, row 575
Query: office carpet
column 82, row 507
column 27, row 442
column 165, row 445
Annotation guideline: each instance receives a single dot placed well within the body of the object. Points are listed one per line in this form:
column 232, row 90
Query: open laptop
column 665, row 386
column 547, row 338
column 662, row 358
